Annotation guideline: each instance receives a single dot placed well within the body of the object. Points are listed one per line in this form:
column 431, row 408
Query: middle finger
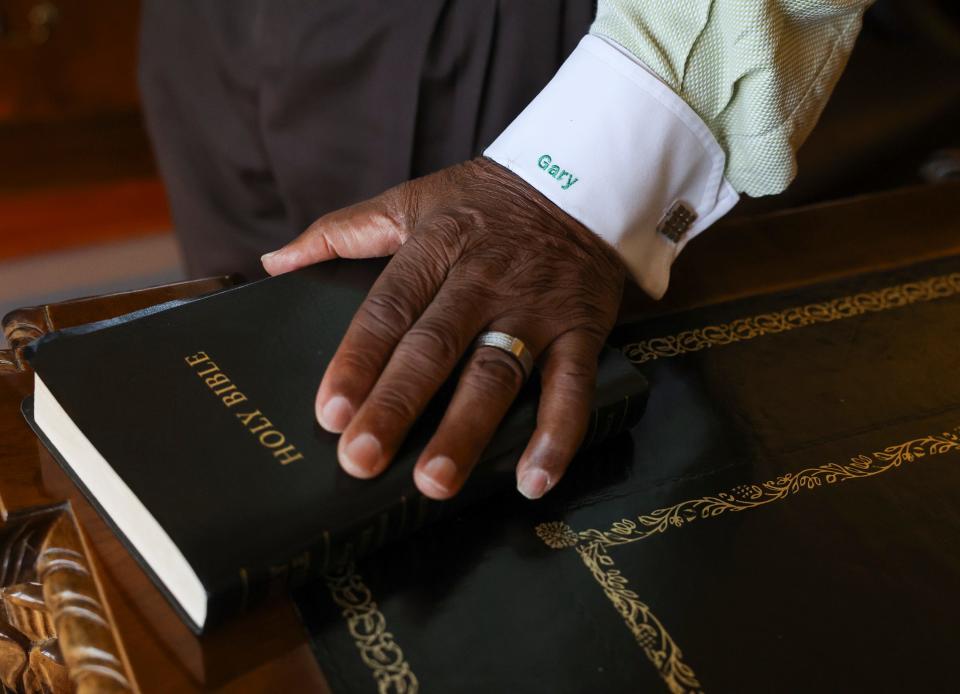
column 421, row 362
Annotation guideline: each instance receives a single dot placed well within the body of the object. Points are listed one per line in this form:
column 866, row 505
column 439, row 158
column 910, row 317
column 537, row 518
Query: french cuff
column 620, row 152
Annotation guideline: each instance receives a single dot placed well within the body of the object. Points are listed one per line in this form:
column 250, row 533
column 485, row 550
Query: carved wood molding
column 83, row 628
column 8, row 362
column 21, row 327
column 24, row 325
column 56, row 635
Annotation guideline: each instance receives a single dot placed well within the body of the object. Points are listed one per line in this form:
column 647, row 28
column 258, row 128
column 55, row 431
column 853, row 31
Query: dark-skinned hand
column 474, row 248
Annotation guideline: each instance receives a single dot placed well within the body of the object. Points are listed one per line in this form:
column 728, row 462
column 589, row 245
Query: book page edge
column 126, row 511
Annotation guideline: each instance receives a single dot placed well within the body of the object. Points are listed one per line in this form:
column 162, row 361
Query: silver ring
column 510, row 344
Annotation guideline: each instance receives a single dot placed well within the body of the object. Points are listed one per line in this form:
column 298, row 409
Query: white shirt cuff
column 620, row 152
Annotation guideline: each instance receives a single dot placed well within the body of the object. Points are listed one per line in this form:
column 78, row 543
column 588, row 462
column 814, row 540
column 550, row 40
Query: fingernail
column 361, row 456
column 534, row 483
column 441, row 472
column 336, row 414
column 271, row 254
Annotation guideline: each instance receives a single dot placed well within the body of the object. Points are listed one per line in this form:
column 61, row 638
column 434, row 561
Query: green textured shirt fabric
column 757, row 72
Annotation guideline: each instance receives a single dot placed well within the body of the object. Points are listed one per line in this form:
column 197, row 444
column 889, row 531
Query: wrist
column 552, row 219
column 615, row 149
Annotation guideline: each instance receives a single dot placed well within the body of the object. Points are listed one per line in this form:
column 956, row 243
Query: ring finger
column 488, row 385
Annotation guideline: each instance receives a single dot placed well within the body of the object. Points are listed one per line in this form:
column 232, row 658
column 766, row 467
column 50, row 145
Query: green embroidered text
column 545, row 162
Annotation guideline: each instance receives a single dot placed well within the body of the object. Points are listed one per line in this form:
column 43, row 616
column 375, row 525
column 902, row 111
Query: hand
column 475, row 248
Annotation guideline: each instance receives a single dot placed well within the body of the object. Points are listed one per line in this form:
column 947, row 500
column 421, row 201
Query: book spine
column 606, row 421
column 412, row 511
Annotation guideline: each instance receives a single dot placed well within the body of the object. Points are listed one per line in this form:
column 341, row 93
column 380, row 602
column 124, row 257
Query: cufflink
column 676, row 221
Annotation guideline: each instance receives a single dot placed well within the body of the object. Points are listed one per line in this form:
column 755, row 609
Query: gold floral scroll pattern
column 749, row 496
column 368, row 628
column 593, row 544
column 657, row 644
column 653, row 638
column 697, row 339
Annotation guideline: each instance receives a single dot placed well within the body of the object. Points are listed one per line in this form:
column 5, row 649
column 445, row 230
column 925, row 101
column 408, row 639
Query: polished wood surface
column 64, row 59
column 69, row 104
column 266, row 650
column 84, row 151
column 57, row 218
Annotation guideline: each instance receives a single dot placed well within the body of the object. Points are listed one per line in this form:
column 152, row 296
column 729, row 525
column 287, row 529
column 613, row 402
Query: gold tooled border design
column 651, row 635
column 697, row 339
column 593, row 544
column 368, row 627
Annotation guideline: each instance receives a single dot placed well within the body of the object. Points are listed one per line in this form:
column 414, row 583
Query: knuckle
column 499, row 263
column 394, row 404
column 494, row 371
column 570, row 384
column 574, row 377
column 444, row 243
column 355, row 361
column 448, row 224
column 385, row 314
column 401, row 206
column 420, row 266
column 433, row 344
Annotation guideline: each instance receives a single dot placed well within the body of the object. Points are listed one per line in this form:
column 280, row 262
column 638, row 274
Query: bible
column 190, row 427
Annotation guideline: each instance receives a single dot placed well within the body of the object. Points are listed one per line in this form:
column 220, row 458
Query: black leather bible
column 191, row 428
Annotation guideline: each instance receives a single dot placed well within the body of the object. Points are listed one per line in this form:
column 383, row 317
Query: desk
column 74, row 586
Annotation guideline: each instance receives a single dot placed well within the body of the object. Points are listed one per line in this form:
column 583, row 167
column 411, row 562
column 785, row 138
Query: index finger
column 395, row 302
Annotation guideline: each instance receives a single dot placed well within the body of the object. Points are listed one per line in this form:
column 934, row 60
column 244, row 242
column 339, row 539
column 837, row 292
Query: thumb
column 364, row 230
